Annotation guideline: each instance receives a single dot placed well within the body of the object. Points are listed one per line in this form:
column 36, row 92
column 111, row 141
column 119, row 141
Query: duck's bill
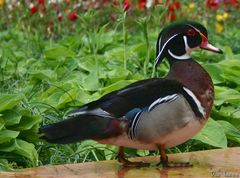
column 210, row 47
column 206, row 45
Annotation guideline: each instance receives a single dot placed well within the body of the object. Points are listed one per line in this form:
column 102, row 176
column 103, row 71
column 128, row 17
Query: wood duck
column 152, row 114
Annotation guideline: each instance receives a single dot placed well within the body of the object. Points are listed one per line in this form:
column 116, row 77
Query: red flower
column 172, row 16
column 72, row 16
column 235, row 3
column 115, row 3
column 33, row 9
column 212, row 4
column 174, row 6
column 41, row 2
column 59, row 16
column 126, row 5
column 142, row 4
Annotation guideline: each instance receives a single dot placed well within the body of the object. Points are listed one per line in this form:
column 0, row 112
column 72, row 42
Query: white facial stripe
column 159, row 43
column 194, row 28
column 191, row 94
column 182, row 57
column 159, row 54
column 186, row 43
column 187, row 49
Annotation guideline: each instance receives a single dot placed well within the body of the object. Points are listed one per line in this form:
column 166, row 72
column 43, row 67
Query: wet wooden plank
column 212, row 163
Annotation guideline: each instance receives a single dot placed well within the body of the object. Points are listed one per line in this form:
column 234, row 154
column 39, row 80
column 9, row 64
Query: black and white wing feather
column 144, row 95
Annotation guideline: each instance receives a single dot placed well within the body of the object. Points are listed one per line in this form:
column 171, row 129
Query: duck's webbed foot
column 128, row 163
column 164, row 160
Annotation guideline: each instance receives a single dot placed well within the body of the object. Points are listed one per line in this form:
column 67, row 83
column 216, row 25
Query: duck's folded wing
column 143, row 95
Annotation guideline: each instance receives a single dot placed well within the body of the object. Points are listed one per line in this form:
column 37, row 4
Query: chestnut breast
column 194, row 77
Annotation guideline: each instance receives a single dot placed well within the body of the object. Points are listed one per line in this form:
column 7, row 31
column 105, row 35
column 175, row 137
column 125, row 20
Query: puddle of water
column 213, row 163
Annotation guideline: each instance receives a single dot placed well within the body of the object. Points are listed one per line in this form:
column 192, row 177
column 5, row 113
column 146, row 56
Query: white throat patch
column 187, row 49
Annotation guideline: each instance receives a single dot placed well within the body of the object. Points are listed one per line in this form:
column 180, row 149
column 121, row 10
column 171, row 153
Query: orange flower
column 142, row 4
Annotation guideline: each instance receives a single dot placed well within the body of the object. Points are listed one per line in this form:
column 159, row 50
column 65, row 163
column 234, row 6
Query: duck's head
column 178, row 40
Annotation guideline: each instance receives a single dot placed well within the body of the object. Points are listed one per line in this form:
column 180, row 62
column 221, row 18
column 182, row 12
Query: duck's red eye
column 191, row 32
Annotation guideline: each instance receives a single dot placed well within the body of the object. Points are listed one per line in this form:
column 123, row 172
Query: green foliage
column 14, row 121
column 58, row 52
column 212, row 134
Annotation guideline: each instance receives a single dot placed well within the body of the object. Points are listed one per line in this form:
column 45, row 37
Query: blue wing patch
column 133, row 115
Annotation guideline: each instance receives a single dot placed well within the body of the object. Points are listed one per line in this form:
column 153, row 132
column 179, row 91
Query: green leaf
column 30, row 135
column 231, row 132
column 53, row 98
column 4, row 166
column 228, row 52
column 8, row 101
column 7, row 135
column 57, row 52
column 27, row 122
column 229, row 63
column 212, row 134
column 109, row 152
column 87, row 63
column 215, row 72
column 91, row 82
column 224, row 94
column 2, row 123
column 26, row 149
column 84, row 97
column 11, row 117
column 143, row 152
column 7, row 146
column 117, row 74
column 231, row 117
column 116, row 54
column 67, row 97
column 48, row 75
column 231, row 111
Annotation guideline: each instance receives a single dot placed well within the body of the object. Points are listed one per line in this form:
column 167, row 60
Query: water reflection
column 128, row 172
column 122, row 172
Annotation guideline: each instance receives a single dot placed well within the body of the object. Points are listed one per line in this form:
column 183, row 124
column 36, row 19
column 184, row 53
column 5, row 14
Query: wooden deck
column 213, row 163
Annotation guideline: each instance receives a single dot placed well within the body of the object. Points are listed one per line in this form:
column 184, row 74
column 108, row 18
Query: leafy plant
column 17, row 130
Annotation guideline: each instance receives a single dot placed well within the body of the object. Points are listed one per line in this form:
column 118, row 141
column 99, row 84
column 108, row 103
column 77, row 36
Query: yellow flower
column 225, row 15
column 219, row 27
column 219, row 17
column 191, row 6
column 1, row 2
